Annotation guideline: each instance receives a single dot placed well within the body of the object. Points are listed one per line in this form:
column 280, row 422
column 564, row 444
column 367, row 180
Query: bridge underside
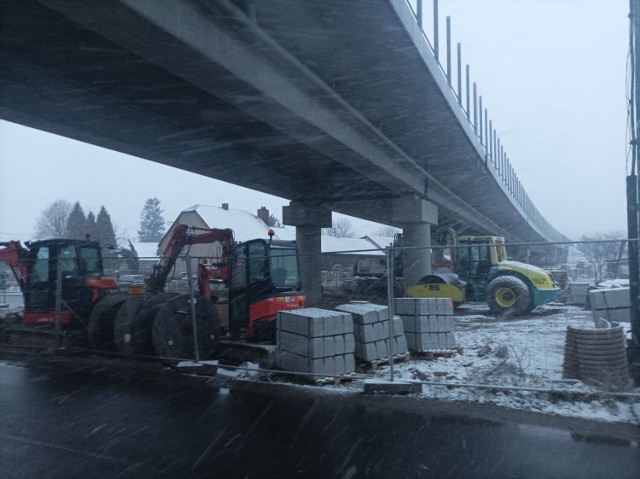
column 325, row 102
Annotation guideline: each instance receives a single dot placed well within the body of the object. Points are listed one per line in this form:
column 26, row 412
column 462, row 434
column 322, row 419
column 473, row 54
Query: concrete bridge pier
column 415, row 216
column 309, row 219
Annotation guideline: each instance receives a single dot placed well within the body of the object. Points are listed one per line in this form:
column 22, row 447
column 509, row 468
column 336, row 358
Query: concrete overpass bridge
column 336, row 105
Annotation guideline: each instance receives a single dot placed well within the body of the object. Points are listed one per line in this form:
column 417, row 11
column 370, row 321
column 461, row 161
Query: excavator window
column 40, row 269
column 68, row 261
column 238, row 268
column 284, row 267
column 90, row 264
column 258, row 265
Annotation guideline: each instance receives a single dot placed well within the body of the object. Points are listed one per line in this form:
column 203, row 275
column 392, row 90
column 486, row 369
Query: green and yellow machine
column 482, row 272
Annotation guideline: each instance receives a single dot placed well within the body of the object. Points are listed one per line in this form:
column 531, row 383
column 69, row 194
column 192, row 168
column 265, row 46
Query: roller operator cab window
column 473, row 260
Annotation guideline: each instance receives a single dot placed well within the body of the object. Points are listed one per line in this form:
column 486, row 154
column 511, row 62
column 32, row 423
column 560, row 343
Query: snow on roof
column 331, row 244
column 245, row 226
column 146, row 249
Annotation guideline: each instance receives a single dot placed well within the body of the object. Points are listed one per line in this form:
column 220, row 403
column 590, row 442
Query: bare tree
column 53, row 220
column 387, row 231
column 342, row 228
column 601, row 249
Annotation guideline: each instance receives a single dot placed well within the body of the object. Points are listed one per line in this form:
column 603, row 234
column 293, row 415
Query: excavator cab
column 264, row 279
column 78, row 264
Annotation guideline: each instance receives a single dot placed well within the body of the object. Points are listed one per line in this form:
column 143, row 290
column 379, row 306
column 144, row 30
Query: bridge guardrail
column 478, row 118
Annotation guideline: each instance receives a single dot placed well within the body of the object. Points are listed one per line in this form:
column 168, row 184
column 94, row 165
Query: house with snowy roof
column 337, row 253
column 245, row 227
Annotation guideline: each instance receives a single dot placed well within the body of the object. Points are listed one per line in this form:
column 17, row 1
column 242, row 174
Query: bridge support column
column 415, row 216
column 308, row 220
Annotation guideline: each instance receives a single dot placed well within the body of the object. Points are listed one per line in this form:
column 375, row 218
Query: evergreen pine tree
column 105, row 232
column 91, row 223
column 76, row 223
column 151, row 221
column 273, row 221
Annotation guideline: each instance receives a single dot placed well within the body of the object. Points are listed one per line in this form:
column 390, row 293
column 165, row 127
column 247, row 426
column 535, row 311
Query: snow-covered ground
column 525, row 353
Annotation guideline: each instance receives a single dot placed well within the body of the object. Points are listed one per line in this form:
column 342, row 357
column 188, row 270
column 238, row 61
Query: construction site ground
column 510, row 363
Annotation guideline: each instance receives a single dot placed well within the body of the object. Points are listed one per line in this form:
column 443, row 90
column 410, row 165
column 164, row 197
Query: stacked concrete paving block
column 610, row 304
column 315, row 341
column 399, row 339
column 428, row 323
column 371, row 331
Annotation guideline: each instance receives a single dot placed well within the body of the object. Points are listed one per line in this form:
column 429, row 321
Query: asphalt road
column 68, row 422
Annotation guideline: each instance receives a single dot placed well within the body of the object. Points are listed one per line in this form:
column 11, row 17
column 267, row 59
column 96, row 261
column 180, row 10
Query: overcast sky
column 551, row 72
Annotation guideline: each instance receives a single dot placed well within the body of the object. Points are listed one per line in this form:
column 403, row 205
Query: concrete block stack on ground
column 400, row 345
column 315, row 341
column 577, row 292
column 428, row 323
column 371, row 331
column 610, row 304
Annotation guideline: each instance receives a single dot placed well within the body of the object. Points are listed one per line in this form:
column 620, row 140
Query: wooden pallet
column 314, row 381
column 334, row 380
column 377, row 363
column 436, row 353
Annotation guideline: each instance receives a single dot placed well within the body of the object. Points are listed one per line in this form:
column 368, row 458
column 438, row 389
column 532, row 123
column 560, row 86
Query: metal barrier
column 477, row 116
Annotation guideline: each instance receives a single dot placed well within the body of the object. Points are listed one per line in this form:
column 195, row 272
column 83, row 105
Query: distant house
column 338, row 254
column 245, row 227
column 345, row 251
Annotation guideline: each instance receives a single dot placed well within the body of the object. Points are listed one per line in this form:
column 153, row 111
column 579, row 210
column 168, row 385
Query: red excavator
column 41, row 267
column 261, row 278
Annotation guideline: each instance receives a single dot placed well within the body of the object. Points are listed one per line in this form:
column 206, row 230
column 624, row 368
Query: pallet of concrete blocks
column 611, row 304
column 315, row 341
column 371, row 331
column 400, row 345
column 428, row 323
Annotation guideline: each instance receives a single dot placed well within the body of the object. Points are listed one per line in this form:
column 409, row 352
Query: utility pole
column 633, row 345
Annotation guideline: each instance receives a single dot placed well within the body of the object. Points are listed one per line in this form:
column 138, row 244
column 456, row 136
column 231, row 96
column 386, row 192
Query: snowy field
column 523, row 353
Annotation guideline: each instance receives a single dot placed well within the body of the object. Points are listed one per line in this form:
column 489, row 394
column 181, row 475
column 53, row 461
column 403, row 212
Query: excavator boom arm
column 181, row 236
column 13, row 254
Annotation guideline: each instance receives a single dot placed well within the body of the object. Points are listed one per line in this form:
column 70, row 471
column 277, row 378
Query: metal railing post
column 459, row 48
column 490, row 141
column 495, row 148
column 486, row 127
column 480, row 129
column 390, row 280
column 468, row 93
column 192, row 302
column 58, row 324
column 436, row 34
column 475, row 108
column 419, row 13
column 449, row 51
